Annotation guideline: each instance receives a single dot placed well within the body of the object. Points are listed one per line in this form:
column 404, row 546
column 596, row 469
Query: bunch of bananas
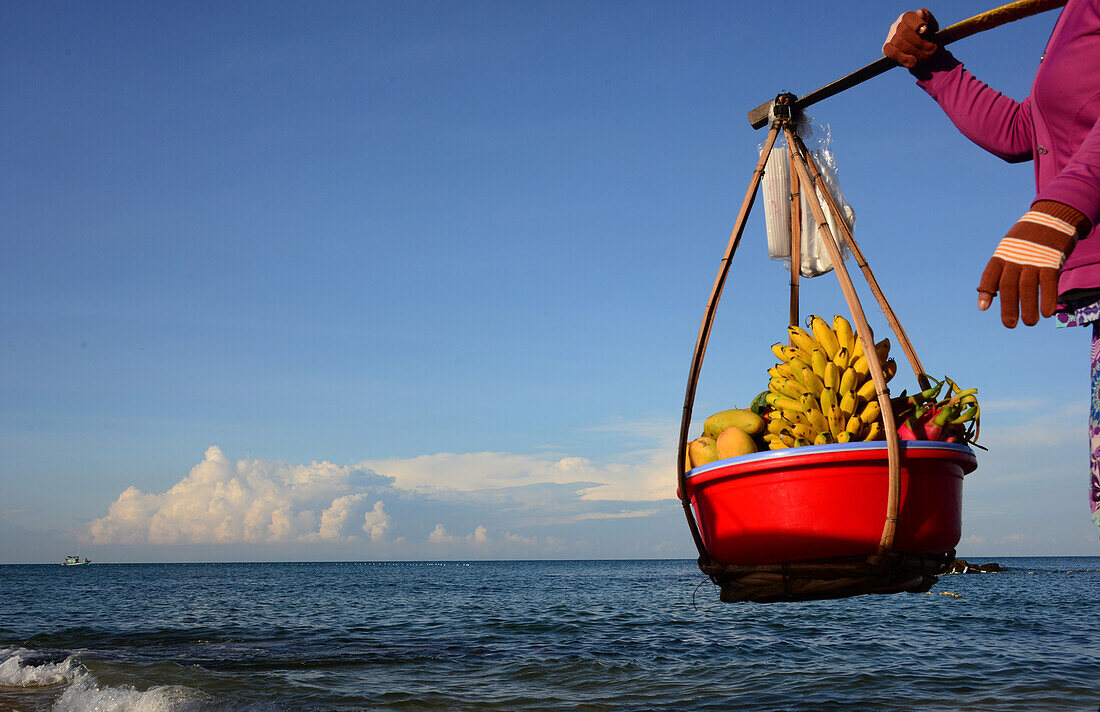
column 821, row 390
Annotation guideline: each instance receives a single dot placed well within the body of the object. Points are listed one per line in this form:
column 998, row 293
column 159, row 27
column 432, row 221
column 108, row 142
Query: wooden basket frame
column 885, row 571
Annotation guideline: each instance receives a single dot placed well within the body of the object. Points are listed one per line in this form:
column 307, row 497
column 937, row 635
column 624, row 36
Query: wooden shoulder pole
column 987, row 20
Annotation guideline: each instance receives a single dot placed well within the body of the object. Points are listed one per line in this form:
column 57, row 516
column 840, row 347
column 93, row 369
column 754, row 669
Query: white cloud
column 251, row 501
column 479, row 537
column 641, row 476
column 618, row 515
column 376, row 523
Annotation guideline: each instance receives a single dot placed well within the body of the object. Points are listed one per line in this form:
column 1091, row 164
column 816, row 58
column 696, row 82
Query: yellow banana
column 890, row 369
column 804, row 431
column 857, row 350
column 861, row 367
column 867, row 391
column 777, row 445
column 827, row 398
column 844, row 437
column 847, row 381
column 801, row 339
column 843, row 358
column 854, row 425
column 815, row 384
column 819, row 362
column 882, row 348
column 817, row 420
column 845, row 337
column 848, row 404
column 874, row 432
column 777, row 425
column 799, row 368
column 800, row 442
column 795, row 417
column 823, row 439
column 825, row 335
column 787, row 387
column 807, row 403
column 870, row 412
column 783, row 352
column 832, row 376
column 785, row 403
column 808, row 378
column 836, row 420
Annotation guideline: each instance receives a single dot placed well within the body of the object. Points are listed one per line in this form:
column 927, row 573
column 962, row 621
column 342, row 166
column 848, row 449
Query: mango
column 739, row 418
column 733, row 442
column 702, row 450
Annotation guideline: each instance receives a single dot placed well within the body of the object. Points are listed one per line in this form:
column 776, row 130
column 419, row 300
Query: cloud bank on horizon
column 432, row 505
column 250, row 501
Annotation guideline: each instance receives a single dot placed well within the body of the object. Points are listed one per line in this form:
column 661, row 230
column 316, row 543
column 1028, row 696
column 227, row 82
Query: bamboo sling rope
column 863, row 329
column 796, row 238
column 704, row 334
column 857, row 254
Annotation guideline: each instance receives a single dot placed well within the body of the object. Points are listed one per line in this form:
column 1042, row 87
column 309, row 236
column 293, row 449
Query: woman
column 1050, row 259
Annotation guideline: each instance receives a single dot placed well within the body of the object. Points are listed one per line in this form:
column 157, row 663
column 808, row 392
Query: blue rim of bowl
column 825, row 449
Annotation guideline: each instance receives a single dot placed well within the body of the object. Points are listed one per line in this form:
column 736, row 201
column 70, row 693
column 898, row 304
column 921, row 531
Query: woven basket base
column 832, row 578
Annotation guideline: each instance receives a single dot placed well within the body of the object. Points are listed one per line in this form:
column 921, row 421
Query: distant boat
column 75, row 561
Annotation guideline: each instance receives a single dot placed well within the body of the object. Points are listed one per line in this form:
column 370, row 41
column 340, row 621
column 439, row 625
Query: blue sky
column 452, row 258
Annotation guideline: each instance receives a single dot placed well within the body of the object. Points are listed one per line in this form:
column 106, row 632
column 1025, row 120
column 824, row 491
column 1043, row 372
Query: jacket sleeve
column 987, row 117
column 1078, row 184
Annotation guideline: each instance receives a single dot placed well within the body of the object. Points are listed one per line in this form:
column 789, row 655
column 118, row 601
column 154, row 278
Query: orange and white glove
column 910, row 39
column 1025, row 265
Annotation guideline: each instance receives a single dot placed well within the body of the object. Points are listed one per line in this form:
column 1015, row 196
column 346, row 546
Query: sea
column 536, row 635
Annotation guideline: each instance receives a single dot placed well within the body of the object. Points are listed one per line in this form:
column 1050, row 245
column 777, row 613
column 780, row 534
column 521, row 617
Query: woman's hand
column 908, row 43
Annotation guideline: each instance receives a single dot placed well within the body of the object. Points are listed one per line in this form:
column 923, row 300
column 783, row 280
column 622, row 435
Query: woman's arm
column 987, row 117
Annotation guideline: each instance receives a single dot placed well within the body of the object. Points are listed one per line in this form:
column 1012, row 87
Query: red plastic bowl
column 828, row 501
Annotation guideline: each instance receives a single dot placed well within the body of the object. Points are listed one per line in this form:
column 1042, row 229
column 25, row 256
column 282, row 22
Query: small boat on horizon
column 75, row 561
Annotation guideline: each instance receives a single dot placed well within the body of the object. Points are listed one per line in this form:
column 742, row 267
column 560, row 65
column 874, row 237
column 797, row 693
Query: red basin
column 828, row 501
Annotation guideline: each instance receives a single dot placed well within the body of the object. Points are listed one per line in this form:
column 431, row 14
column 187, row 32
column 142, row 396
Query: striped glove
column 1027, row 261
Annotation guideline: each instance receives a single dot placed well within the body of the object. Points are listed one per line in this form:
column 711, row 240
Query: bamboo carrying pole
column 996, row 17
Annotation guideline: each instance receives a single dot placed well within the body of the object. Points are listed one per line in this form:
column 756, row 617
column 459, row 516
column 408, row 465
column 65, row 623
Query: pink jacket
column 1056, row 125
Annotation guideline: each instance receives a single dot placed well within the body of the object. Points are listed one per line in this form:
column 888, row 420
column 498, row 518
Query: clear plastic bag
column 776, row 187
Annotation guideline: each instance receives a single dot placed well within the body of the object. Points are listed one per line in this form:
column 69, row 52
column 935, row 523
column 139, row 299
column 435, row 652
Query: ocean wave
column 81, row 692
column 15, row 671
column 84, row 696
